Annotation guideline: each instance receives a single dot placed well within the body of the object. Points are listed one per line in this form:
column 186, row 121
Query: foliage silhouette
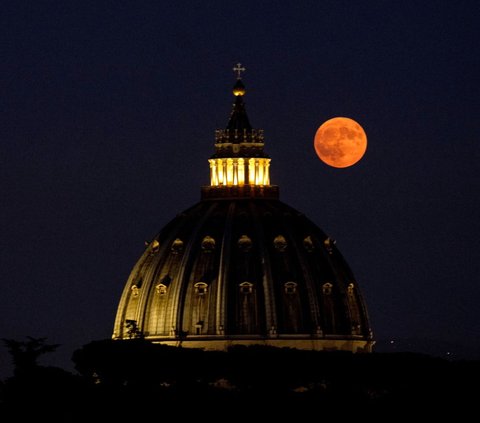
column 26, row 353
column 123, row 380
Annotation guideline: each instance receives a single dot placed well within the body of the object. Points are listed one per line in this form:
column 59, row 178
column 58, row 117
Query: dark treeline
column 134, row 378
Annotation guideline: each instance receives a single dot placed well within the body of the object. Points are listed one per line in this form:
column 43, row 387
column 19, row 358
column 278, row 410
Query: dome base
column 240, row 191
column 353, row 344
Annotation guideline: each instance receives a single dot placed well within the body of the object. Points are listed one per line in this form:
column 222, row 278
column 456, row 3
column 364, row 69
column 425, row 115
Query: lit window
column 241, row 171
column 280, row 243
column 308, row 244
column 246, row 288
column 135, row 290
column 329, row 243
column 290, row 288
column 230, row 176
column 201, row 288
column 327, row 288
column 161, row 289
column 244, row 243
column 251, row 171
column 208, row 244
column 177, row 246
column 155, row 247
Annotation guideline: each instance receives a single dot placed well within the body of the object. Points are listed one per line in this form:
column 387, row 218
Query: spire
column 239, row 167
column 238, row 118
column 238, row 131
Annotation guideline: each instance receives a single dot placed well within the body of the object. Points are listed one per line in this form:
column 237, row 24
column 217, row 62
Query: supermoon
column 340, row 142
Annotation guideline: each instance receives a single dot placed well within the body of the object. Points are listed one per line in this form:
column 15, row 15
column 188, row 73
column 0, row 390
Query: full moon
column 340, row 142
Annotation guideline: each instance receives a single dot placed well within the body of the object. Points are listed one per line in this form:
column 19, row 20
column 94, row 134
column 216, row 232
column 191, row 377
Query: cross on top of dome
column 238, row 68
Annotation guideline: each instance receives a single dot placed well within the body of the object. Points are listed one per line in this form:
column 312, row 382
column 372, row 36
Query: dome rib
column 223, row 272
column 271, row 320
column 308, row 281
column 193, row 245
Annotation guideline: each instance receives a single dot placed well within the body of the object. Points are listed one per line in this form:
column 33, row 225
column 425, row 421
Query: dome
column 242, row 267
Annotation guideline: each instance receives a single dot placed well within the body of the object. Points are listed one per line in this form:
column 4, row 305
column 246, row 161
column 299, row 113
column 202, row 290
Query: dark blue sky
column 108, row 118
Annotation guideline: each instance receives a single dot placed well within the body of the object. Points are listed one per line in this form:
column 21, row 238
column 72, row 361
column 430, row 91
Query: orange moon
column 340, row 142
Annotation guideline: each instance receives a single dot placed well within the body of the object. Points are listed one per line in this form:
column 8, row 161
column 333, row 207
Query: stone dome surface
column 242, row 267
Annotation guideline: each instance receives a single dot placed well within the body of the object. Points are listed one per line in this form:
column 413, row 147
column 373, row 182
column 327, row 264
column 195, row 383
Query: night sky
column 108, row 113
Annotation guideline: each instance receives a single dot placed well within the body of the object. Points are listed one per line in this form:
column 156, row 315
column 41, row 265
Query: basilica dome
column 242, row 267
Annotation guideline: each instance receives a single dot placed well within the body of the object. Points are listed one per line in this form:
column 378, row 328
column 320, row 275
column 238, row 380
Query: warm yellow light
column 229, row 171
column 259, row 180
column 235, row 171
column 213, row 172
column 251, row 171
column 241, row 172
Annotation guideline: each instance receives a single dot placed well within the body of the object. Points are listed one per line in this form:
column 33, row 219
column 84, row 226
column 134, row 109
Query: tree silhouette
column 132, row 329
column 25, row 354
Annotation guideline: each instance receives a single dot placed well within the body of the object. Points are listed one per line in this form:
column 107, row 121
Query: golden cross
column 239, row 69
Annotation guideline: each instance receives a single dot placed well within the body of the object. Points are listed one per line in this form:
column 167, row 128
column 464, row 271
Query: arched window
column 290, row 287
column 177, row 246
column 308, row 244
column 155, row 247
column 135, row 290
column 329, row 243
column 208, row 244
column 199, row 327
column 280, row 243
column 200, row 288
column 161, row 289
column 246, row 288
column 327, row 288
column 244, row 243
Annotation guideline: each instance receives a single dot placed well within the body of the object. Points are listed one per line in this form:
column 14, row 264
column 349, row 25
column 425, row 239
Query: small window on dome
column 177, row 246
column 135, row 290
column 161, row 289
column 350, row 289
column 327, row 288
column 246, row 288
column 280, row 243
column 198, row 327
column 290, row 287
column 208, row 244
column 308, row 244
column 329, row 243
column 201, row 288
column 155, row 246
column 244, row 243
